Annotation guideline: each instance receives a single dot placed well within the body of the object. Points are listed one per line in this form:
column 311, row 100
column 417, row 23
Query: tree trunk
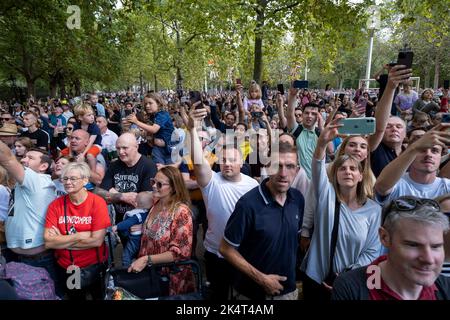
column 31, row 89
column 62, row 86
column 437, row 69
column 427, row 78
column 258, row 63
column 53, row 86
column 77, row 85
column 180, row 55
column 141, row 83
column 156, row 83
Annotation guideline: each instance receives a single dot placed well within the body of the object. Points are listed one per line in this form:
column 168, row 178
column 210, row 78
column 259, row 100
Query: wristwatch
column 149, row 261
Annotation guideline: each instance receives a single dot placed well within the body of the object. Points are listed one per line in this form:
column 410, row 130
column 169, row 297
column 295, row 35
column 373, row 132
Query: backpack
column 299, row 130
column 31, row 283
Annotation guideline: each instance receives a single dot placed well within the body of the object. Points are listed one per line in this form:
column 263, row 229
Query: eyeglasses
column 69, row 128
column 71, row 179
column 6, row 119
column 158, row 184
column 409, row 203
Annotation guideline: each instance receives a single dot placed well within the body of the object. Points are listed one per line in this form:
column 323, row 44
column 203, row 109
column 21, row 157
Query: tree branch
column 290, row 6
column 191, row 38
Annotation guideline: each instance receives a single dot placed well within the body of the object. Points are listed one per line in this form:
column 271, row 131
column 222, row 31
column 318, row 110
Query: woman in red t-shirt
column 75, row 227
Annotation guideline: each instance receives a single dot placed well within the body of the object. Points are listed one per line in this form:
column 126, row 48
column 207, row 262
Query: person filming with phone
column 342, row 204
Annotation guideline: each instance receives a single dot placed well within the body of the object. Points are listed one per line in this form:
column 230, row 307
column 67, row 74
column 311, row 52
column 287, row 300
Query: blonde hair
column 254, row 87
column 368, row 176
column 81, row 167
column 82, row 109
column 361, row 195
column 3, row 177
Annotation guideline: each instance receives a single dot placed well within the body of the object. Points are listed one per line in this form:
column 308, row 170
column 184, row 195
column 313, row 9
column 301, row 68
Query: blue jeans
column 131, row 250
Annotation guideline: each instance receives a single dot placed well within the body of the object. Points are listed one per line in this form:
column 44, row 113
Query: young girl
column 161, row 127
column 21, row 146
column 254, row 96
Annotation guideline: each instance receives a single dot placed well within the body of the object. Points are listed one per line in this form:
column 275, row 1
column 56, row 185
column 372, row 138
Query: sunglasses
column 408, row 203
column 6, row 119
column 158, row 184
column 69, row 128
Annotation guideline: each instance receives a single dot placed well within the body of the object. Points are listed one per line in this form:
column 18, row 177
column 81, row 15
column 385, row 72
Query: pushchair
column 152, row 283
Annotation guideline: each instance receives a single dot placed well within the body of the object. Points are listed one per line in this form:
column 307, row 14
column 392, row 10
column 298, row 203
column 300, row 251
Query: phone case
column 358, row 126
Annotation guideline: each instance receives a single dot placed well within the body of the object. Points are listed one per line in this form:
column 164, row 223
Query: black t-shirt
column 380, row 158
column 129, row 179
column 93, row 130
column 39, row 138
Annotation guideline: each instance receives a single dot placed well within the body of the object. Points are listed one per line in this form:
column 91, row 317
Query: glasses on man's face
column 158, row 184
column 5, row 119
column 71, row 179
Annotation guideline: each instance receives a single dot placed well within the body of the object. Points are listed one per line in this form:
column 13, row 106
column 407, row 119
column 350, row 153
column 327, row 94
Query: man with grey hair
column 413, row 232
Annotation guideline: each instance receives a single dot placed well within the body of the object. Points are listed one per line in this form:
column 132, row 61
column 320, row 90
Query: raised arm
column 392, row 173
column 326, row 136
column 152, row 129
column 383, row 110
column 202, row 169
column 10, row 163
column 280, row 106
column 292, row 104
column 240, row 104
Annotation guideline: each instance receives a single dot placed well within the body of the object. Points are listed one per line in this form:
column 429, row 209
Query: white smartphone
column 357, row 126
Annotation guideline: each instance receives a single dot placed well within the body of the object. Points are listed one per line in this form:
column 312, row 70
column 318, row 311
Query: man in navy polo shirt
column 261, row 236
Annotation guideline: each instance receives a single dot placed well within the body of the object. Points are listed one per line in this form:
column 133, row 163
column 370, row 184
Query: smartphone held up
column 357, row 126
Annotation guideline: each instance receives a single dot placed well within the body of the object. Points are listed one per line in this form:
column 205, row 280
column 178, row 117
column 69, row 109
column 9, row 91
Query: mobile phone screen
column 280, row 88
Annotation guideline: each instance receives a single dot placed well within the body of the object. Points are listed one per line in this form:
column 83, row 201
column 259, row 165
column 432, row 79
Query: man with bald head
column 127, row 176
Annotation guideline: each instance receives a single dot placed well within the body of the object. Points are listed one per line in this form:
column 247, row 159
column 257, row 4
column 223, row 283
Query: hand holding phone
column 357, row 126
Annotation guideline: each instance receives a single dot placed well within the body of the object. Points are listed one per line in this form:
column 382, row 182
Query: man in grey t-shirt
column 422, row 158
column 33, row 192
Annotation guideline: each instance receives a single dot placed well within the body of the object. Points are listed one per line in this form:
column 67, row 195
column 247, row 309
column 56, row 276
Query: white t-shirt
column 109, row 139
column 220, row 197
column 4, row 202
column 407, row 187
column 26, row 220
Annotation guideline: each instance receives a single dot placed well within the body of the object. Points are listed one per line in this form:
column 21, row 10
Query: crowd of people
column 282, row 197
